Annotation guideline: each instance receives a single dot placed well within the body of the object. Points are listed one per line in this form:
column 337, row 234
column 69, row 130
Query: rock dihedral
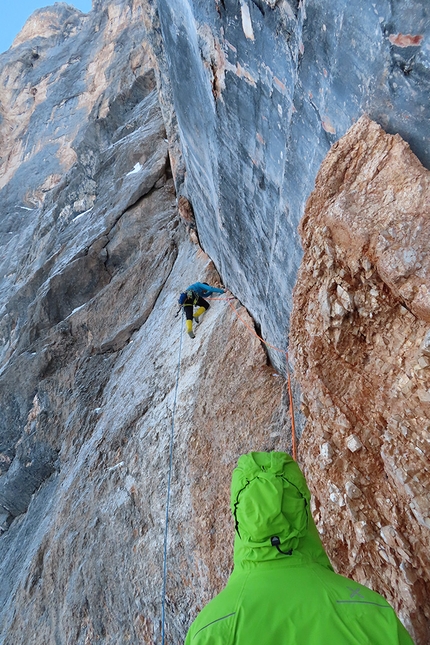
column 260, row 90
column 94, row 255
column 360, row 337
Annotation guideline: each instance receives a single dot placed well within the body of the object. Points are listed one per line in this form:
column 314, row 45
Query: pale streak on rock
column 246, row 20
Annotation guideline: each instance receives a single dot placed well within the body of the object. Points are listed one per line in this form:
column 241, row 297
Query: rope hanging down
column 276, row 349
column 172, row 434
column 169, row 482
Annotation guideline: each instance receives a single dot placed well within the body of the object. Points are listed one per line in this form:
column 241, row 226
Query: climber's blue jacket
column 283, row 590
column 203, row 290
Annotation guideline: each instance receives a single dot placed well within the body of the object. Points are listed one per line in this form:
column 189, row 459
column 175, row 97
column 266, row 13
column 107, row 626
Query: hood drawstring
column 276, row 542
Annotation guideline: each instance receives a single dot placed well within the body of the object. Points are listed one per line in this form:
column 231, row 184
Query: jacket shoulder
column 215, row 624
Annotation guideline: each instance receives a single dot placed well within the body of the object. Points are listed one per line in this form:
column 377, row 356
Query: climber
column 194, row 296
column 283, row 589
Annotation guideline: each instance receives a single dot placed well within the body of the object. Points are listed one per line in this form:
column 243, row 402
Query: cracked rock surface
column 360, row 333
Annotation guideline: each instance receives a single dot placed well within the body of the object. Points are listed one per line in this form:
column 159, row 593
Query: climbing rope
column 169, row 482
column 276, row 349
column 172, row 434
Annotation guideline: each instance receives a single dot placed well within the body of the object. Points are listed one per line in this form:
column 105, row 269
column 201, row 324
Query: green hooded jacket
column 283, row 590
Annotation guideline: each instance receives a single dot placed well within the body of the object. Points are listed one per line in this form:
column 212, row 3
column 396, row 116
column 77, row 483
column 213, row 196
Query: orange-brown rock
column 360, row 339
column 186, row 212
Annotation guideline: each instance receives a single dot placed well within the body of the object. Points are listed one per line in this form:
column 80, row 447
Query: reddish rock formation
column 360, row 339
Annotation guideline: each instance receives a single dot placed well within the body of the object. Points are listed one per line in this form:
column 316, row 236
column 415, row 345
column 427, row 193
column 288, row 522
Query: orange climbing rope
column 277, row 349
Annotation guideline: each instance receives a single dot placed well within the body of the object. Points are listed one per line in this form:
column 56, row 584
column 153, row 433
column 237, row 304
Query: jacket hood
column 270, row 502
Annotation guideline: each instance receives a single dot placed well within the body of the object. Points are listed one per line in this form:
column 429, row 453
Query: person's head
column 269, row 499
column 270, row 502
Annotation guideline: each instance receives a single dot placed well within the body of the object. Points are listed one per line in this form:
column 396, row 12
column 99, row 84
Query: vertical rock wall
column 360, row 333
column 93, row 257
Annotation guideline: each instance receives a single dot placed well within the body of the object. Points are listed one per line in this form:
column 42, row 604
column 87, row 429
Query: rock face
column 360, row 332
column 261, row 90
column 129, row 135
column 93, row 259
